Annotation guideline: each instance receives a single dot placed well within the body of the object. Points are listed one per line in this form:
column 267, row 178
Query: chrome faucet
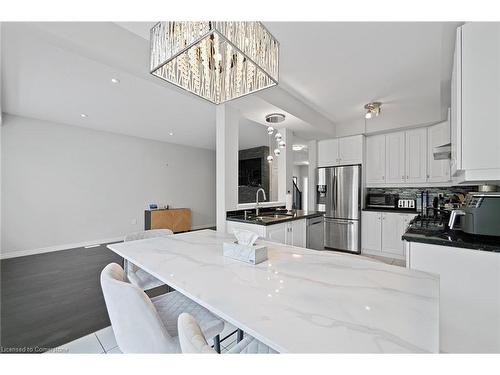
column 257, row 200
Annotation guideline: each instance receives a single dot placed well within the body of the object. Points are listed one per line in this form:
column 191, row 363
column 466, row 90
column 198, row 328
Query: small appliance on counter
column 480, row 214
column 382, row 200
column 406, row 204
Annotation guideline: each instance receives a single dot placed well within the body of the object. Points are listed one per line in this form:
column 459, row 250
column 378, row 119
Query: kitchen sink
column 270, row 217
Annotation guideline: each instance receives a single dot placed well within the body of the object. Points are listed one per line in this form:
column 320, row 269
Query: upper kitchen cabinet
column 437, row 135
column 375, row 159
column 475, row 113
column 416, row 155
column 406, row 157
column 395, row 157
column 328, row 152
column 340, row 151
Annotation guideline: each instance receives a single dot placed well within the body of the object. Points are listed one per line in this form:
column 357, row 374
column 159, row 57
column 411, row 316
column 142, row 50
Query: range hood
column 442, row 152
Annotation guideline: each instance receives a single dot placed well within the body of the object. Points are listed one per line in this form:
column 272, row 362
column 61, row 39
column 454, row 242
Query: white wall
column 67, row 185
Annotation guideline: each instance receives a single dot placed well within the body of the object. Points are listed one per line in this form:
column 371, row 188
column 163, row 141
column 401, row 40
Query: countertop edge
column 278, row 221
column 442, row 242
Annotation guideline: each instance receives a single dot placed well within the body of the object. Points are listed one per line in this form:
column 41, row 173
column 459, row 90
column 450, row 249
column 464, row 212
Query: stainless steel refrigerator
column 338, row 194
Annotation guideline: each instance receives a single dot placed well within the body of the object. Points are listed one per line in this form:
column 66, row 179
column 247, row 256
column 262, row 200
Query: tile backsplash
column 415, row 192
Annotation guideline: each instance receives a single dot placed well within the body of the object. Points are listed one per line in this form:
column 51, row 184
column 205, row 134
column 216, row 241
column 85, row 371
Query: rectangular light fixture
column 218, row 61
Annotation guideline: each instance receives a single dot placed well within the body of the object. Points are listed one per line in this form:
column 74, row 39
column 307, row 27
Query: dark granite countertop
column 270, row 218
column 395, row 210
column 454, row 239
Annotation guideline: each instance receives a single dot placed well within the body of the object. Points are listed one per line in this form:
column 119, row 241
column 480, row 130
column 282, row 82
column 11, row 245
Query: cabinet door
column 393, row 227
column 351, row 150
column 371, row 231
column 437, row 135
column 298, row 231
column 481, row 96
column 395, row 157
column 328, row 152
column 416, row 155
column 456, row 106
column 277, row 232
column 375, row 159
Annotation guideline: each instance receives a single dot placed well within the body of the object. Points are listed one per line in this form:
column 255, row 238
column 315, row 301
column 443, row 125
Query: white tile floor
column 104, row 342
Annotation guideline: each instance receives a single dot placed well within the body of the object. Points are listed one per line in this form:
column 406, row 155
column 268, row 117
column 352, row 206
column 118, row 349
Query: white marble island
column 300, row 300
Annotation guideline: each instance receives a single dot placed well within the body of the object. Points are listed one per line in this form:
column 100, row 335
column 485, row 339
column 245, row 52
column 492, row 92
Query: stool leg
column 217, row 343
column 239, row 335
column 125, row 267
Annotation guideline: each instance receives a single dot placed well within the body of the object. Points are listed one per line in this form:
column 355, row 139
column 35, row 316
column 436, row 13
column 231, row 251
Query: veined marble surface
column 299, row 300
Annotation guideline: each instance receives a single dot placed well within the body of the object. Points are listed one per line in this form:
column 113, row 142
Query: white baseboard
column 49, row 249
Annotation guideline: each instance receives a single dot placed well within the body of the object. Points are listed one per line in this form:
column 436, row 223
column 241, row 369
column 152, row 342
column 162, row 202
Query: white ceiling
column 55, row 71
column 44, row 78
column 338, row 67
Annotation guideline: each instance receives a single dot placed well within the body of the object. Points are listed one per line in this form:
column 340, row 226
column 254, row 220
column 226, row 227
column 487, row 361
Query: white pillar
column 227, row 120
column 285, row 165
column 312, row 147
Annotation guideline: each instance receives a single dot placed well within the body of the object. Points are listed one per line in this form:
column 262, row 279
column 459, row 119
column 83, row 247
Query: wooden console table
column 175, row 219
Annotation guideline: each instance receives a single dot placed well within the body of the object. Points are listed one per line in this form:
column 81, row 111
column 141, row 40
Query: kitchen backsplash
column 414, row 192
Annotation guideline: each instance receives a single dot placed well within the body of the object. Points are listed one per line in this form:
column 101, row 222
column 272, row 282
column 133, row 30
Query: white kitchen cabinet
column 371, row 231
column 231, row 226
column 298, row 233
column 393, row 227
column 475, row 97
column 456, row 107
column 375, row 159
column 277, row 233
column 395, row 157
column 340, row 151
column 328, row 152
column 416, row 155
column 289, row 233
column 382, row 231
column 351, row 150
column 437, row 135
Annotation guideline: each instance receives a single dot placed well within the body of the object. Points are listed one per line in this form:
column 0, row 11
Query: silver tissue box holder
column 253, row 254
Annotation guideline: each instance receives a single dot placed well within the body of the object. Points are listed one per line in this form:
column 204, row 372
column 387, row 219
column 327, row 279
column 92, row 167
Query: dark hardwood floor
column 50, row 299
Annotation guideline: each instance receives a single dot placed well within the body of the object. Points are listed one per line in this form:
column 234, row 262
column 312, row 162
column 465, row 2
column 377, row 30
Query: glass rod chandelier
column 218, row 61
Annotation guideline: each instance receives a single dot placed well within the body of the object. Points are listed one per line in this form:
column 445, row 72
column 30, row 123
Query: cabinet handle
column 428, row 176
column 407, row 177
column 403, row 177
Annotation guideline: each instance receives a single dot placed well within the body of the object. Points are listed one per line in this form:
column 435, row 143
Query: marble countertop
column 300, row 300
column 283, row 217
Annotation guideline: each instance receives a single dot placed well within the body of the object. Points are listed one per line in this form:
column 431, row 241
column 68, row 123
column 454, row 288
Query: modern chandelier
column 218, row 61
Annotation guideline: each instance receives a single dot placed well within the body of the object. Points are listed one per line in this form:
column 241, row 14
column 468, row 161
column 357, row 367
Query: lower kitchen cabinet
column 277, row 233
column 371, row 231
column 381, row 233
column 289, row 233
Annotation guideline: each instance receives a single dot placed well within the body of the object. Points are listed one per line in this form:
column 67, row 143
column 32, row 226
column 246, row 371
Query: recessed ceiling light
column 170, row 133
column 83, row 115
column 115, row 80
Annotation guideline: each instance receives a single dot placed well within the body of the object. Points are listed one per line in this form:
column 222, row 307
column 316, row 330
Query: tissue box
column 253, row 254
